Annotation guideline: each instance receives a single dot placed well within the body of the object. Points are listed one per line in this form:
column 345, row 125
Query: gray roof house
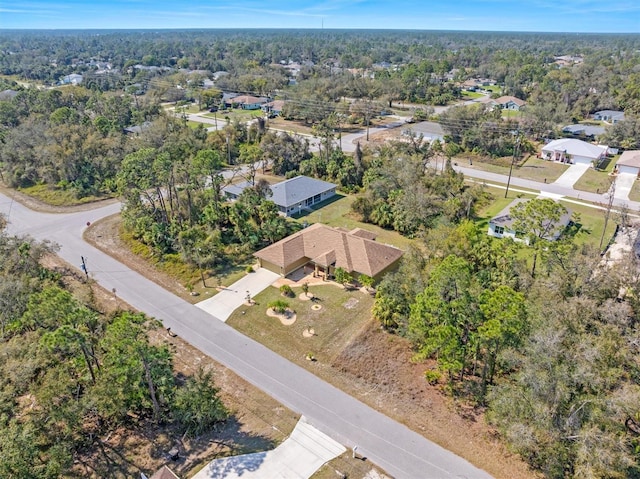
column 609, row 116
column 292, row 195
column 501, row 225
column 590, row 131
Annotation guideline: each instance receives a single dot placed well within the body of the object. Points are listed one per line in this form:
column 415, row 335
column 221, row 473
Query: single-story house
column 609, row 116
column 509, row 103
column 73, row 79
column 137, row 129
column 273, row 108
column 501, row 225
column 325, row 248
column 7, row 95
column 589, row 131
column 570, row 150
column 292, row 195
column 247, row 102
column 629, row 162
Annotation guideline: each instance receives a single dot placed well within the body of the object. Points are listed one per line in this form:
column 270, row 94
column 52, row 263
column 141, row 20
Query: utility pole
column 84, row 266
column 513, row 160
column 612, row 194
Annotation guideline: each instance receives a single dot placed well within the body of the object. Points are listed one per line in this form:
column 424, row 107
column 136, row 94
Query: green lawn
column 483, row 215
column 634, row 194
column 592, row 221
column 493, row 88
column 57, row 196
column 533, row 168
column 235, row 114
column 471, row 95
column 336, row 211
column 594, row 181
column 511, row 113
column 341, row 315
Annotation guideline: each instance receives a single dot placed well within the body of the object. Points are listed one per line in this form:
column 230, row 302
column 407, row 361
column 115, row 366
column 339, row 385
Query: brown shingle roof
column 363, row 233
column 506, row 99
column 164, row 473
column 352, row 250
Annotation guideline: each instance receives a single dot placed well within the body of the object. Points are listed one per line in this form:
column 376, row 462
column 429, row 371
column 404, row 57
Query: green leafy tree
column 445, row 317
column 197, row 404
column 538, row 221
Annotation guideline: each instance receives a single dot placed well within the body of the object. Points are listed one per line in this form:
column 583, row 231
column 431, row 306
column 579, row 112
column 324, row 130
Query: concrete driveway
column 231, row 298
column 573, row 174
column 298, row 457
column 624, row 183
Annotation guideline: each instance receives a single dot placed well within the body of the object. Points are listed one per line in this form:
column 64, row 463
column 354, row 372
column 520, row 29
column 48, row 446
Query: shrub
column 432, row 376
column 279, row 306
column 286, row 290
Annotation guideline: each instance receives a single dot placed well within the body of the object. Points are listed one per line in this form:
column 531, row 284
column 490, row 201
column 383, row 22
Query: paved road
column 548, row 188
column 388, row 444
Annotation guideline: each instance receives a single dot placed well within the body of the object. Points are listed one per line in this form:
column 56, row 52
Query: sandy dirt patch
column 287, row 319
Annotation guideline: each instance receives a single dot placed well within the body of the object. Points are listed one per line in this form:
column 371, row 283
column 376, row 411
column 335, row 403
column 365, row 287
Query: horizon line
column 318, row 29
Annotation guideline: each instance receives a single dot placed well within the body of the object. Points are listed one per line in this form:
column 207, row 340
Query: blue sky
column 500, row 15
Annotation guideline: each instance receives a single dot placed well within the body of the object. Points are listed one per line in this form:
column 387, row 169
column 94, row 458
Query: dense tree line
column 70, row 374
column 552, row 356
column 70, row 138
column 402, row 190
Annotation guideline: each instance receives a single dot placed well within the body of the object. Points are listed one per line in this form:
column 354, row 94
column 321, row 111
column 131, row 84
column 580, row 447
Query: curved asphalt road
column 390, row 445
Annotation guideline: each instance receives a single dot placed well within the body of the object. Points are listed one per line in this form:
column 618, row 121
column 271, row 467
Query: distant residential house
column 587, row 131
column 247, row 102
column 292, row 195
column 322, row 249
column 609, row 116
column 570, row 150
column 629, row 162
column 8, row 95
column 501, row 225
column 509, row 103
column 273, row 108
column 73, row 79
column 137, row 129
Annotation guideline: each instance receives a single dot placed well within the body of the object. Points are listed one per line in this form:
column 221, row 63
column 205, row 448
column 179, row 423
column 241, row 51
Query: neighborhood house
column 609, row 116
column 292, row 195
column 629, row 162
column 322, row 249
column 501, row 225
column 509, row 103
column 570, row 150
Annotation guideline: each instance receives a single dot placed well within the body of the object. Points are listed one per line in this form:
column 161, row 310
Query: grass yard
column 483, row 215
column 511, row 113
column 471, row 95
column 592, row 221
column 533, row 168
column 336, row 212
column 340, row 318
column 493, row 88
column 235, row 114
column 280, row 123
column 57, row 196
column 593, row 181
column 634, row 194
